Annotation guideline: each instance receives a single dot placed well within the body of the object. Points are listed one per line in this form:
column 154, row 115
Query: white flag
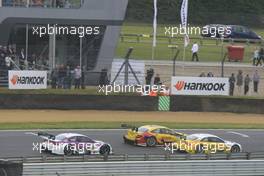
column 184, row 20
column 155, row 24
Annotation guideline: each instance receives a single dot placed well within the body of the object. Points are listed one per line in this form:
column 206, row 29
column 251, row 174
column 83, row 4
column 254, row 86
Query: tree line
column 244, row 12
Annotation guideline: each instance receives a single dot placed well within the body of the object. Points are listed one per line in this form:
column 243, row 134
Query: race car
column 151, row 135
column 229, row 31
column 206, row 143
column 73, row 144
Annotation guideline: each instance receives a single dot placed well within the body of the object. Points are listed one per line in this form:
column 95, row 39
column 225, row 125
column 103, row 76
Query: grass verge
column 210, row 50
column 117, row 125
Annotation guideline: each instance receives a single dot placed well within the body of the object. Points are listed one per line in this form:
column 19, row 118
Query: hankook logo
column 182, row 85
column 14, row 79
column 33, row 80
column 179, row 86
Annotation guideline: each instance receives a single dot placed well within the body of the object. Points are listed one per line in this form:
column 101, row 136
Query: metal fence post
column 146, row 157
column 248, row 156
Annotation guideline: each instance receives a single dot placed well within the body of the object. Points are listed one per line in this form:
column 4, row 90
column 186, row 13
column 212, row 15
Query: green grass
column 117, row 125
column 209, row 50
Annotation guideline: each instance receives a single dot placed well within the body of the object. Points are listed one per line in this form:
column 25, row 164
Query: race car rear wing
column 43, row 135
column 126, row 126
column 46, row 135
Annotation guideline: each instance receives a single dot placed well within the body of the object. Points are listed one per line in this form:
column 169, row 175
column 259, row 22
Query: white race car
column 73, row 144
column 207, row 143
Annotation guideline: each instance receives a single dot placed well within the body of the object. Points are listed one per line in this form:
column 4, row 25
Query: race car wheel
column 125, row 140
column 235, row 149
column 44, row 149
column 67, row 150
column 151, row 142
column 199, row 149
column 105, row 150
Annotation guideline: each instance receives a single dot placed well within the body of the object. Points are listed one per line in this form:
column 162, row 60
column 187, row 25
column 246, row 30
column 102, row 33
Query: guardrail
column 146, row 157
column 165, row 168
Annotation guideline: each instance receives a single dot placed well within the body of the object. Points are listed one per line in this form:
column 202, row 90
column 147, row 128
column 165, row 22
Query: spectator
column 83, row 78
column 8, row 62
column 202, row 75
column 232, row 81
column 150, row 73
column 68, row 78
column 256, row 57
column 61, row 77
column 210, row 74
column 59, row 4
column 195, row 49
column 246, row 85
column 32, row 61
column 67, row 4
column 38, row 3
column 77, row 77
column 261, row 57
column 157, row 80
column 2, row 60
column 239, row 81
column 54, row 78
column 103, row 77
column 256, row 79
column 22, row 59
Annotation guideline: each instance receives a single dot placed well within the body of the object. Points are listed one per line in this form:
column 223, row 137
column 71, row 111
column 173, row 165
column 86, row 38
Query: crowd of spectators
column 240, row 80
column 64, row 77
column 11, row 59
column 209, row 74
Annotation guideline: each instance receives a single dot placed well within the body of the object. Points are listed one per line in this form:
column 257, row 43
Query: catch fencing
column 144, row 168
column 145, row 157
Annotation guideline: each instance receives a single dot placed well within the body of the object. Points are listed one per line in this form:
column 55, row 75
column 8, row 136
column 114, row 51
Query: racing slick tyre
column 67, row 150
column 105, row 150
column 151, row 142
column 199, row 149
column 125, row 140
column 235, row 149
column 44, row 149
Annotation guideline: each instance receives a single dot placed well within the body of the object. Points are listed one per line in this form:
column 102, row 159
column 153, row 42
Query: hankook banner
column 27, row 79
column 199, row 86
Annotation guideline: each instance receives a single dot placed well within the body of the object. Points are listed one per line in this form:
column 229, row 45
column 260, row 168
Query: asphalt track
column 20, row 143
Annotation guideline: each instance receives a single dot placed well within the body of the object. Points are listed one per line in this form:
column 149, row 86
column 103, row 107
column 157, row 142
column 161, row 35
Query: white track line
column 240, row 134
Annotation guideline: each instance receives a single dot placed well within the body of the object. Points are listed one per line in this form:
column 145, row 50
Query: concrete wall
column 130, row 103
column 216, row 104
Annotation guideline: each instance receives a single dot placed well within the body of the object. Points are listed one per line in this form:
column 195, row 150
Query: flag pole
column 154, row 44
column 184, row 21
column 184, row 54
column 153, row 55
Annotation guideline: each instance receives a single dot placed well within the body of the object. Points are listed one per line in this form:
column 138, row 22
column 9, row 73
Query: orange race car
column 152, row 135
